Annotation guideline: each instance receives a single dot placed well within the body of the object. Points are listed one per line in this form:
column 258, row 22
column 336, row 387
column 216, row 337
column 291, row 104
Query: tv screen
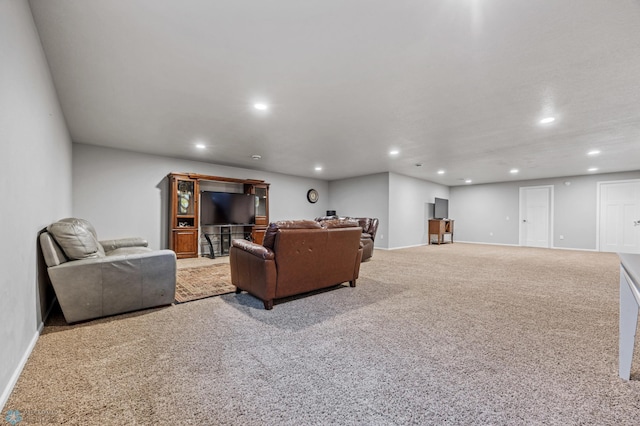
column 441, row 209
column 224, row 208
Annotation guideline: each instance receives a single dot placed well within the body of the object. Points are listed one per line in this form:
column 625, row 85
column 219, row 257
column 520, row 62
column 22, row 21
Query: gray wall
column 408, row 209
column 125, row 193
column 35, row 170
column 479, row 210
column 399, row 202
column 363, row 196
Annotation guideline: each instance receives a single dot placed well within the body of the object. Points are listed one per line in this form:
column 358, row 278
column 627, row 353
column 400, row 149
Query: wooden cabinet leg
column 238, row 290
column 352, row 283
column 268, row 304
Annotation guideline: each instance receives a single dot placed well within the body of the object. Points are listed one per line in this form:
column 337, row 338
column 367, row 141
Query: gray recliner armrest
column 110, row 245
column 97, row 287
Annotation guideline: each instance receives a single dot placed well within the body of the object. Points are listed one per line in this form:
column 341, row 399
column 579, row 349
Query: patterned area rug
column 204, row 281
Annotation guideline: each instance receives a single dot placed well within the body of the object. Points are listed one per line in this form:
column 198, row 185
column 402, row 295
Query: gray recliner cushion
column 76, row 238
column 128, row 250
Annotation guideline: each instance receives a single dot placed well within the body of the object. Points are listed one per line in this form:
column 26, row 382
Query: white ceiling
column 458, row 85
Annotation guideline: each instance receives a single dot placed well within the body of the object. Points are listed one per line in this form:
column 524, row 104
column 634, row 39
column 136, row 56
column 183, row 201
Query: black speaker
column 331, row 213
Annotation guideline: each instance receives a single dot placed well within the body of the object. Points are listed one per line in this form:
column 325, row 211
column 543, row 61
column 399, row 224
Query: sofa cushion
column 76, row 239
column 339, row 223
column 321, row 218
column 82, row 222
column 270, row 234
column 128, row 251
column 89, row 228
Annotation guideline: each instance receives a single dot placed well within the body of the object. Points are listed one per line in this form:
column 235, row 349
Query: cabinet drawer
column 185, row 243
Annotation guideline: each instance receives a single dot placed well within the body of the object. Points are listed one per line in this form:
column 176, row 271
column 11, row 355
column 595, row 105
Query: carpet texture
column 458, row 334
column 203, row 281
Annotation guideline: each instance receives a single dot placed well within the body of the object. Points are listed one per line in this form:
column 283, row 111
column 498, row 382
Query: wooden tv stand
column 440, row 227
column 184, row 213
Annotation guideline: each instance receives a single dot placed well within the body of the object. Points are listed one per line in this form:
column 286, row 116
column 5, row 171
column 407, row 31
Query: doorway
column 536, row 216
column 619, row 216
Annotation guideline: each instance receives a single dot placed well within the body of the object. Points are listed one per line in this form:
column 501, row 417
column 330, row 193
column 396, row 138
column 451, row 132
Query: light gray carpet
column 457, row 334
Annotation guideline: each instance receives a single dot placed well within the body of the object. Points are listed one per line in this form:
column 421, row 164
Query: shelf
column 218, row 243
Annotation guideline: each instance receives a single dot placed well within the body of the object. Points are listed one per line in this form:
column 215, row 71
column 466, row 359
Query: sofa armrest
column 110, row 245
column 254, row 249
column 253, row 269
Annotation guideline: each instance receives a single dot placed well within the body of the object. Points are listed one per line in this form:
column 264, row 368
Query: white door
column 535, row 216
column 619, row 216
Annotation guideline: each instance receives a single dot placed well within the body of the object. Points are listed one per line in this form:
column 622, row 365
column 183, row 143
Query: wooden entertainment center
column 441, row 227
column 184, row 210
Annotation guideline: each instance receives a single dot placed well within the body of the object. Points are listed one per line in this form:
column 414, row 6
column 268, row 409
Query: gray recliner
column 94, row 278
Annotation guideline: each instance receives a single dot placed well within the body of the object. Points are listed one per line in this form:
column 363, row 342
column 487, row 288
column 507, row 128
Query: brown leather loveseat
column 297, row 257
column 369, row 228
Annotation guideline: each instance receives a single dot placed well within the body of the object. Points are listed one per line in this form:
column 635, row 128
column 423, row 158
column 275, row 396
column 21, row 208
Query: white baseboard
column 575, row 249
column 16, row 374
column 399, row 248
column 488, row 244
column 4, row 397
column 518, row 245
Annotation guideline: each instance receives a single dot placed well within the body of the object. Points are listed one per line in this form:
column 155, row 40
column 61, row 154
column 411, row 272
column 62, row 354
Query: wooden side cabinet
column 183, row 214
column 261, row 191
column 441, row 227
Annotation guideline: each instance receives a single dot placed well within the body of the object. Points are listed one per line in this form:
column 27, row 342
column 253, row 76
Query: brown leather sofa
column 297, row 257
column 369, row 228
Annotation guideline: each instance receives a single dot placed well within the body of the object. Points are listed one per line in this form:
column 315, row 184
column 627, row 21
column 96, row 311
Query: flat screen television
column 224, row 208
column 441, row 208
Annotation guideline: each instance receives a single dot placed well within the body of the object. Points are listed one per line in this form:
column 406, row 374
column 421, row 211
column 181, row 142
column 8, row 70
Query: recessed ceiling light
column 261, row 106
column 468, row 181
column 256, row 156
column 547, row 120
column 593, row 152
column 394, row 152
column 592, row 169
column 200, row 146
column 514, row 171
column 440, row 172
column 318, row 169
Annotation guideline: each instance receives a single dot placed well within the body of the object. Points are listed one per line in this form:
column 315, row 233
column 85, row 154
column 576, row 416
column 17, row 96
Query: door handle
column 524, row 220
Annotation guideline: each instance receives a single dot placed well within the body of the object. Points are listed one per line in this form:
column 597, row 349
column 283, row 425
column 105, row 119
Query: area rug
column 203, row 281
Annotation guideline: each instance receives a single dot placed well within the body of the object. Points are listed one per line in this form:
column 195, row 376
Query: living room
column 123, row 192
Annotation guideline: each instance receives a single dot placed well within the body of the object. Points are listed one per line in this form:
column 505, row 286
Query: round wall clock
column 312, row 195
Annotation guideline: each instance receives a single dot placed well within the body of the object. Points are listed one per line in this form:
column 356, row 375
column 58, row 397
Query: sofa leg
column 268, row 304
column 352, row 283
column 238, row 290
